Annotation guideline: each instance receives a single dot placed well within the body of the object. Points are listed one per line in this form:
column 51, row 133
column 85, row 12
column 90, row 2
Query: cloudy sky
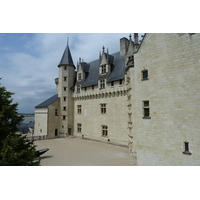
column 28, row 62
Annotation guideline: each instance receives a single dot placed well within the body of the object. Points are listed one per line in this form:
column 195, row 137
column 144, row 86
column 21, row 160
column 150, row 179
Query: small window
column 79, row 76
column 65, row 68
column 56, row 132
column 103, row 108
column 85, row 88
column 78, row 89
column 79, row 110
column 112, row 83
column 64, row 108
column 65, row 78
column 130, row 58
column 145, row 75
column 186, row 148
column 103, row 69
column 146, row 110
column 104, row 131
column 65, row 88
column 120, row 81
column 40, row 130
column 56, row 112
column 102, row 84
column 92, row 87
column 64, row 98
column 64, row 117
column 79, row 128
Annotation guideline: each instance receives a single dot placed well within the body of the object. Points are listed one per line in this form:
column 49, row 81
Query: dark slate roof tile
column 66, row 58
column 48, row 102
column 117, row 73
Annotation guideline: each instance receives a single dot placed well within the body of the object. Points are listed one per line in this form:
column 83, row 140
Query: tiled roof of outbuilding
column 48, row 102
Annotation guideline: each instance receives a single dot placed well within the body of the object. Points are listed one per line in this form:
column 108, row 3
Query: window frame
column 104, row 131
column 103, row 69
column 102, row 84
column 79, row 76
column 79, row 109
column 145, row 75
column 103, row 108
column 79, row 128
column 186, row 148
column 146, row 109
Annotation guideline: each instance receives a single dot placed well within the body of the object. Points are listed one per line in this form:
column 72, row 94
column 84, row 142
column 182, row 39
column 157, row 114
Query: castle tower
column 66, row 82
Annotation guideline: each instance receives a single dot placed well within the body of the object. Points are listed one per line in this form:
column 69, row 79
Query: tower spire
column 67, row 57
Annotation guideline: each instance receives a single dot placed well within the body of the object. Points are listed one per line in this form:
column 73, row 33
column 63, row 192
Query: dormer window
column 103, row 69
column 79, row 76
column 78, row 89
column 102, row 84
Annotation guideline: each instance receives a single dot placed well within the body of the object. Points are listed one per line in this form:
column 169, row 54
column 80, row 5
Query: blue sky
column 28, row 62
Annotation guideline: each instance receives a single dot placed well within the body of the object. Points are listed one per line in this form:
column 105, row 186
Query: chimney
column 123, row 46
column 136, row 38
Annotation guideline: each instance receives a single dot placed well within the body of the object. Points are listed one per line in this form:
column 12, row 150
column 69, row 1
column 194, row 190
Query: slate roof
column 24, row 127
column 48, row 102
column 66, row 58
column 117, row 72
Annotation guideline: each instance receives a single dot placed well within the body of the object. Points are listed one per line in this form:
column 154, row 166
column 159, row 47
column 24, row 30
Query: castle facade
column 146, row 97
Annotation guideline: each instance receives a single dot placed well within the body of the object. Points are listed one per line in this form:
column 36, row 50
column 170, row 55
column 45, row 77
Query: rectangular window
column 65, row 68
column 85, row 89
column 104, row 131
column 78, row 89
column 79, row 128
column 64, row 98
column 103, row 69
column 65, row 88
column 64, row 117
column 145, row 75
column 103, row 108
column 102, row 84
column 92, row 87
column 79, row 109
column 79, row 76
column 186, row 148
column 65, row 78
column 56, row 112
column 146, row 110
column 64, row 108
column 112, row 83
column 120, row 81
column 56, row 132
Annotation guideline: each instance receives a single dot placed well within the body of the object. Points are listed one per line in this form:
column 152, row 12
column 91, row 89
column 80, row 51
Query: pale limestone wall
column 41, row 118
column 173, row 90
column 53, row 120
column 92, row 119
column 66, row 124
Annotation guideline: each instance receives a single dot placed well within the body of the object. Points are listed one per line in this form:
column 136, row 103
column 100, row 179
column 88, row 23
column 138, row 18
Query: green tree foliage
column 15, row 149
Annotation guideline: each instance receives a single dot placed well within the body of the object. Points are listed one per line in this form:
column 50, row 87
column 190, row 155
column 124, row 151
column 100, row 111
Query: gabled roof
column 48, row 102
column 117, row 73
column 66, row 58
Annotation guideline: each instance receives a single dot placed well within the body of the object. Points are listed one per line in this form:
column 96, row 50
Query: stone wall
column 92, row 120
column 173, row 92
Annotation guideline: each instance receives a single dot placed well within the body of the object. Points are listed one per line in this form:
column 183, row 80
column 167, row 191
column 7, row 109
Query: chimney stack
column 123, row 46
column 136, row 38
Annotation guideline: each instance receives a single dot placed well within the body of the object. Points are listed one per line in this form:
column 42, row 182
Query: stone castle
column 146, row 97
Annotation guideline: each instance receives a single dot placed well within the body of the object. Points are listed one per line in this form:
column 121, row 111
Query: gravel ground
column 80, row 152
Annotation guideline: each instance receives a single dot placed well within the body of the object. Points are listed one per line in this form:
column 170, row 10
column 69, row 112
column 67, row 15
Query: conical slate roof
column 66, row 58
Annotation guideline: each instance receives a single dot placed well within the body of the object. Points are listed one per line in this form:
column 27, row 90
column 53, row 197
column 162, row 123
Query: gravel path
column 80, row 152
